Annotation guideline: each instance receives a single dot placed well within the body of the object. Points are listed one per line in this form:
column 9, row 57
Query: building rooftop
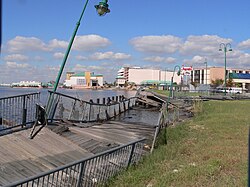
column 82, row 74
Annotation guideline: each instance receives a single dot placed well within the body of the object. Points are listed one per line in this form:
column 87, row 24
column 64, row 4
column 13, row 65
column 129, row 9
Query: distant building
column 239, row 76
column 69, row 74
column 83, row 80
column 27, row 84
column 141, row 76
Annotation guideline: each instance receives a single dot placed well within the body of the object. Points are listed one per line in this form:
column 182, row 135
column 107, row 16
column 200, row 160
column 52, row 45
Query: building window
column 197, row 76
column 202, row 76
column 80, row 81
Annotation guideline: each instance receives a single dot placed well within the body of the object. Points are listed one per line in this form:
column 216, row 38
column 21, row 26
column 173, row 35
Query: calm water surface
column 86, row 94
column 149, row 117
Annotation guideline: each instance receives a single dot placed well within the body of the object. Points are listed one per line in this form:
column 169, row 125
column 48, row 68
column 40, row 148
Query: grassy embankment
column 209, row 150
column 181, row 93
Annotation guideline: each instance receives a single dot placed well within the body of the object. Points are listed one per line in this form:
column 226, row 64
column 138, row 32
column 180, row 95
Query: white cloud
column 16, row 57
column 81, row 43
column 53, row 44
column 110, row 56
column 21, row 44
column 159, row 59
column 244, row 45
column 38, row 58
column 79, row 68
column 81, row 58
column 58, row 55
column 90, row 42
column 244, row 60
column 16, row 65
column 195, row 61
column 157, row 44
column 202, row 45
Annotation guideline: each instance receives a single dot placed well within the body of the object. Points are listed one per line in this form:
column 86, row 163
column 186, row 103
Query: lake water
column 148, row 117
column 85, row 94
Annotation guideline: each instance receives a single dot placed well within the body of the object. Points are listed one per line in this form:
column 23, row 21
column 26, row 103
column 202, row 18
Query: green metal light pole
column 102, row 8
column 206, row 69
column 170, row 95
column 171, row 84
column 226, row 48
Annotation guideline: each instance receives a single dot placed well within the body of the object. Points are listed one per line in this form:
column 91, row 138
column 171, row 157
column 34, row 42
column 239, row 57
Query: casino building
column 83, row 80
column 200, row 76
column 146, row 77
column 207, row 75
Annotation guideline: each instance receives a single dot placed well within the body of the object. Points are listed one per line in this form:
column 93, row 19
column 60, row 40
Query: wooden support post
column 103, row 101
column 124, row 106
column 98, row 101
column 116, row 98
column 108, row 100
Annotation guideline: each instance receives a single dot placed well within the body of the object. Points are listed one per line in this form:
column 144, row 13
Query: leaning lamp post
column 102, row 8
column 225, row 47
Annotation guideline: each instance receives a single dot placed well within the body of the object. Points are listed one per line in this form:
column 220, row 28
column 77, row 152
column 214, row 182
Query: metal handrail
column 17, row 112
column 68, row 107
column 99, row 104
column 85, row 161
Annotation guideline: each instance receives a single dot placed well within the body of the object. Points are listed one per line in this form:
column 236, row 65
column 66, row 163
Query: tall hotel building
column 141, row 76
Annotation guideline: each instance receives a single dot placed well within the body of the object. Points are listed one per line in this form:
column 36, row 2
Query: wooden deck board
column 21, row 157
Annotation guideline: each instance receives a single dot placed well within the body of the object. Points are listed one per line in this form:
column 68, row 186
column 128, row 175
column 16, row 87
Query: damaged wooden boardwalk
column 22, row 157
column 70, row 137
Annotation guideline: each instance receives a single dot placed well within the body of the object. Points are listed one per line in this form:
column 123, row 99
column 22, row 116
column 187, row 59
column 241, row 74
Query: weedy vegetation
column 211, row 149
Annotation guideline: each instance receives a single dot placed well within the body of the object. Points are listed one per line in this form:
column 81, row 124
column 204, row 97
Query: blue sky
column 150, row 34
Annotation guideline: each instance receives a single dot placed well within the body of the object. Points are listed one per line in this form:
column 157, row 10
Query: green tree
column 230, row 82
column 216, row 83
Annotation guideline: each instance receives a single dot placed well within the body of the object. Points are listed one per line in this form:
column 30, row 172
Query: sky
column 149, row 34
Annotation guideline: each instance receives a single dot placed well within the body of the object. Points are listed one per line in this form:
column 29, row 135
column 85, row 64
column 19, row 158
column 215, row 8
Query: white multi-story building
column 139, row 76
column 83, row 80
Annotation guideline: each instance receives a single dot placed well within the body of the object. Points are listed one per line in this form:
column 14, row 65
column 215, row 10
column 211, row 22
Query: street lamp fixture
column 171, row 84
column 225, row 47
column 102, row 9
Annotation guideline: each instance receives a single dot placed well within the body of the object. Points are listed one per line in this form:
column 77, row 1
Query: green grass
column 209, row 150
column 179, row 94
